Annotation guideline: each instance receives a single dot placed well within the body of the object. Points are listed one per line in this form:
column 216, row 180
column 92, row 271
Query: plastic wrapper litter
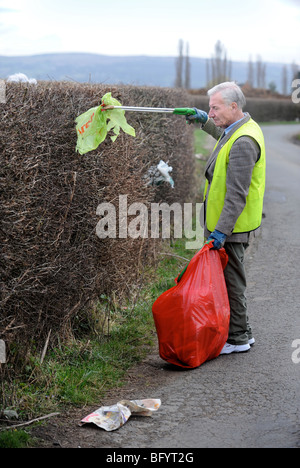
column 159, row 174
column 93, row 126
column 111, row 418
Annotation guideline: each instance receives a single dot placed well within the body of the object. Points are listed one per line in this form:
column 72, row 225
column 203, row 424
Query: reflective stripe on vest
column 251, row 216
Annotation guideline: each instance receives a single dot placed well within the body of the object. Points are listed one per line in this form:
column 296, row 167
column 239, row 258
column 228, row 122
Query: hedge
column 52, row 262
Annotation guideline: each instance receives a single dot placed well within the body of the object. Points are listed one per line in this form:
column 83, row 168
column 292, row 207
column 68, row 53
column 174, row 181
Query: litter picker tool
column 163, row 110
column 93, row 126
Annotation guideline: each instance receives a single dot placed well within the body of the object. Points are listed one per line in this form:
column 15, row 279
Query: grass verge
column 82, row 371
column 15, row 439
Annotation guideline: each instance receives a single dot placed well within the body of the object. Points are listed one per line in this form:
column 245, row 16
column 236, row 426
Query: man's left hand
column 219, row 239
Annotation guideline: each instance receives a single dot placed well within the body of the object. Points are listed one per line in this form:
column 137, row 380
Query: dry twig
column 28, row 423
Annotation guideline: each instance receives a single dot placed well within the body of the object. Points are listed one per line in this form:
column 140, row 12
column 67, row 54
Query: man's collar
column 228, row 129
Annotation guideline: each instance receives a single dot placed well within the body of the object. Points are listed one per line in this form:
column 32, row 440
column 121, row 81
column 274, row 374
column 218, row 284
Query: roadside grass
column 15, row 439
column 203, row 148
column 107, row 342
column 200, row 142
column 83, row 371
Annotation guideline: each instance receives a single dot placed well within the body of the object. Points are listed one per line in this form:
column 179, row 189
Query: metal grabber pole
column 177, row 111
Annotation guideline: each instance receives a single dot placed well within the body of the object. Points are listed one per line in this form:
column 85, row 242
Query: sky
column 265, row 28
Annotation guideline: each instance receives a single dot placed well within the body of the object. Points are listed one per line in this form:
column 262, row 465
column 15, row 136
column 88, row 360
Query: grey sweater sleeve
column 243, row 156
column 211, row 128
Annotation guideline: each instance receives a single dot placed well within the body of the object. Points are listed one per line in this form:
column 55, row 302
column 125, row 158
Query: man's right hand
column 199, row 117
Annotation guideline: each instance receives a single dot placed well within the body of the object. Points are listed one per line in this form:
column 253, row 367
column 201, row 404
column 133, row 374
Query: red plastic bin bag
column 192, row 318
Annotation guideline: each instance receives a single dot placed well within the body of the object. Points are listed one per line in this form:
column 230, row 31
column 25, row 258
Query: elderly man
column 235, row 184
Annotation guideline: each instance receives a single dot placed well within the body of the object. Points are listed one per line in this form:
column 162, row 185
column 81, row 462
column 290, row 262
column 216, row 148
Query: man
column 235, row 184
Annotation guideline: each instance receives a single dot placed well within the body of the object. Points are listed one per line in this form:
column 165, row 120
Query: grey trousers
column 235, row 276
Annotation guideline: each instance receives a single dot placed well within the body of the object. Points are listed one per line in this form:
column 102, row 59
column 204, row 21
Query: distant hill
column 134, row 70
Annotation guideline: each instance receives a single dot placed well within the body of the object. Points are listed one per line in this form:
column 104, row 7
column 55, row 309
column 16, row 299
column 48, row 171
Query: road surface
column 241, row 400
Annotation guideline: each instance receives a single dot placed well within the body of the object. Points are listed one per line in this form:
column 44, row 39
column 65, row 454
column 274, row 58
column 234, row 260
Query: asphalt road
column 244, row 400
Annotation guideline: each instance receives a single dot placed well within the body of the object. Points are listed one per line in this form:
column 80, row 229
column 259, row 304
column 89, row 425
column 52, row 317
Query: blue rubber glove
column 199, row 117
column 219, row 239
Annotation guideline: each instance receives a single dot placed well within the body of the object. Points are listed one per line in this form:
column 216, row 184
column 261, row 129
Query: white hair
column 230, row 92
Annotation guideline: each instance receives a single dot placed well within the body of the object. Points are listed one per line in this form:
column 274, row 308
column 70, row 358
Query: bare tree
column 218, row 68
column 260, row 73
column 208, row 76
column 250, row 77
column 264, row 71
column 187, row 81
column 284, row 80
column 179, row 65
column 183, row 67
column 295, row 70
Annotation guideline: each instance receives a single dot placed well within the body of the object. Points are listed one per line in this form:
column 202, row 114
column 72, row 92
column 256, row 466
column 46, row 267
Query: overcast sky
column 269, row 28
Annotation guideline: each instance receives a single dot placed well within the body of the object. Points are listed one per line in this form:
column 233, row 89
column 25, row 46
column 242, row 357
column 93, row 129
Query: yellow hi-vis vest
column 251, row 217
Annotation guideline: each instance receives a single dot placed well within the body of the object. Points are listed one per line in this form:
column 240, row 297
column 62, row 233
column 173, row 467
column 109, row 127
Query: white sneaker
column 251, row 341
column 229, row 348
